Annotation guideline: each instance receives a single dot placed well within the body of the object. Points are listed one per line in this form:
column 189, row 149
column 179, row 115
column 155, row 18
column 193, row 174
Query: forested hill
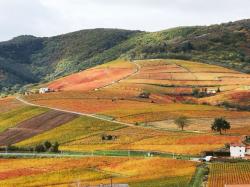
column 29, row 59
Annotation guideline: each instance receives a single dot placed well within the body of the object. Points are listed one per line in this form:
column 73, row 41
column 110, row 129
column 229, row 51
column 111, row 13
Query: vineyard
column 13, row 117
column 229, row 173
column 85, row 134
column 115, row 91
column 131, row 109
column 157, row 172
column 170, row 83
column 9, row 104
column 95, row 77
column 240, row 125
column 81, row 127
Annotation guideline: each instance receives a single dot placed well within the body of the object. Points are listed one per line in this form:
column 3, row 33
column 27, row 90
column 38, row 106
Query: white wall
column 237, row 151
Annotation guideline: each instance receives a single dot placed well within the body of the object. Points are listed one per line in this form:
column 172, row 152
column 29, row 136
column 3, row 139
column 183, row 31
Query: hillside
column 127, row 110
column 225, row 44
column 28, row 59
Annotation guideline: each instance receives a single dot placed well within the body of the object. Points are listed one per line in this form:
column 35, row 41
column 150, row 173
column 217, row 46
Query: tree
column 55, row 147
column 40, row 148
column 47, row 145
column 220, row 124
column 181, row 122
column 196, row 92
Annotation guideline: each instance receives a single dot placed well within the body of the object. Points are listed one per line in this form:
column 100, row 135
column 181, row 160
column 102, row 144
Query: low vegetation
column 157, row 172
column 13, row 117
column 77, row 129
column 228, row 173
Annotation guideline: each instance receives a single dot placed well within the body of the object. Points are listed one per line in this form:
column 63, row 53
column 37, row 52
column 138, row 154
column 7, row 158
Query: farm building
column 112, row 185
column 239, row 150
column 237, row 185
column 44, row 90
column 211, row 91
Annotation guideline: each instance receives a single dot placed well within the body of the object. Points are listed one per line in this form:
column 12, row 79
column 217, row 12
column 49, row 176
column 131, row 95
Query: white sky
column 53, row 17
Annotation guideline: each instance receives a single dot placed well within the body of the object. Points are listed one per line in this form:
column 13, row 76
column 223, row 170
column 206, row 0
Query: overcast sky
column 53, row 17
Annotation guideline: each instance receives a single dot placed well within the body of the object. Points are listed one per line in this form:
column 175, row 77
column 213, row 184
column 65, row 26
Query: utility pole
column 111, row 182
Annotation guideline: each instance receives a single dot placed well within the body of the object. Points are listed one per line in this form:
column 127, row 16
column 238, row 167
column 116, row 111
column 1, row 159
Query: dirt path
column 72, row 112
column 137, row 70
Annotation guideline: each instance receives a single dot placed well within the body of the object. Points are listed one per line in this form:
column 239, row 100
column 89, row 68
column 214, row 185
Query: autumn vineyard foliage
column 95, row 170
column 113, row 92
column 228, row 173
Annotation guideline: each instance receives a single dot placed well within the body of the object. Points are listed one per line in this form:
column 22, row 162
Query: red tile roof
column 238, row 145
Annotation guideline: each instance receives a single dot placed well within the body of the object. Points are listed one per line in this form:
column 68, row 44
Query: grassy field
column 204, row 124
column 13, row 117
column 228, row 173
column 157, row 172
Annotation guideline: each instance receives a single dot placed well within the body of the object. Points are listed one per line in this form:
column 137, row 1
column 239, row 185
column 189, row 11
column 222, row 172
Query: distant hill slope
column 226, row 44
column 28, row 59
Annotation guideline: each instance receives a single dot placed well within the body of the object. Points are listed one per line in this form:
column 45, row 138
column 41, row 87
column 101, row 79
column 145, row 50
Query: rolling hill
column 29, row 59
column 125, row 109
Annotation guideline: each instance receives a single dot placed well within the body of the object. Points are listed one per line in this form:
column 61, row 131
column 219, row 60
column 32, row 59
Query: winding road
column 73, row 112
column 137, row 70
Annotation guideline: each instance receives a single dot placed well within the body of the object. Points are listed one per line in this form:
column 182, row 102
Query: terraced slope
column 16, row 116
column 34, row 126
column 7, row 104
column 170, row 84
column 76, row 129
column 96, row 77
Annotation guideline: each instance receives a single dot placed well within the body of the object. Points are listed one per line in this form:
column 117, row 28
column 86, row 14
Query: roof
column 237, row 145
column 237, row 185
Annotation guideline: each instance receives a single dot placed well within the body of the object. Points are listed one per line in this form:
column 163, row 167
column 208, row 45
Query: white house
column 211, row 91
column 239, row 150
column 44, row 90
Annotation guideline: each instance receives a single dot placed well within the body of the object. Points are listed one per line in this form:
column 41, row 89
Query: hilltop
column 29, row 59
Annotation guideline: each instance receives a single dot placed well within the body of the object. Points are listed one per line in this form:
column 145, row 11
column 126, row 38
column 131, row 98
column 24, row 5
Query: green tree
column 40, row 148
column 220, row 124
column 181, row 122
column 196, row 92
column 55, row 147
column 47, row 145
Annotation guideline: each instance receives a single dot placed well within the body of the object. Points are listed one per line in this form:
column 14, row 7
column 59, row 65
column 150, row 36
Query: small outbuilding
column 211, row 91
column 44, row 90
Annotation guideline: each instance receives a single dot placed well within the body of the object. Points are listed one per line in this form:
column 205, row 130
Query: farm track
column 35, row 126
column 137, row 70
column 76, row 113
